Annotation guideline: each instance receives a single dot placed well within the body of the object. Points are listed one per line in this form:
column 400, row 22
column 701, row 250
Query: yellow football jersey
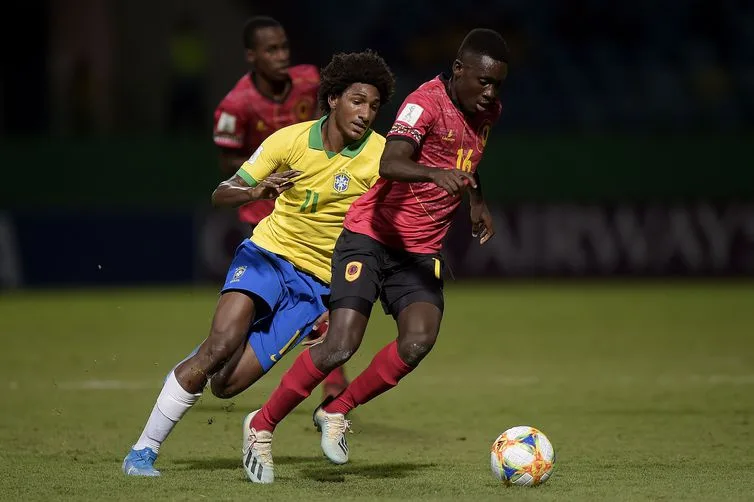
column 308, row 218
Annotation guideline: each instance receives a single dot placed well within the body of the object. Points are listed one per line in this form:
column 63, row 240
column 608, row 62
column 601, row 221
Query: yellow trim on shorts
column 285, row 347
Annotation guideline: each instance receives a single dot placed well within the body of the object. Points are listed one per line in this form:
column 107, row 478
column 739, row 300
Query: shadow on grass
column 337, row 474
column 314, row 468
column 228, row 463
column 243, row 409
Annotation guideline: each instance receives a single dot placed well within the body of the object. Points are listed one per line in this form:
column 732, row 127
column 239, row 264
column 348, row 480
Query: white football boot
column 333, row 427
column 256, row 452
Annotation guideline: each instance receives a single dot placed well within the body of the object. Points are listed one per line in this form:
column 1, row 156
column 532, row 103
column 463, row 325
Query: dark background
column 624, row 147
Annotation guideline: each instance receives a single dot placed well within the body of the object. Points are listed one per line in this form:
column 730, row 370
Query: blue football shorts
column 293, row 298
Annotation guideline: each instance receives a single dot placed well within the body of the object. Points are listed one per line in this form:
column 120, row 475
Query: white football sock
column 172, row 403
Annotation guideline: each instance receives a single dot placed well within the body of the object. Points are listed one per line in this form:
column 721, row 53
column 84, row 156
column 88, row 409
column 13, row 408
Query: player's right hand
column 274, row 184
column 453, row 181
column 319, row 330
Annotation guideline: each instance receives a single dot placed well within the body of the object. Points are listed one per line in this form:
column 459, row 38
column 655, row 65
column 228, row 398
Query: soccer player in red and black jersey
column 272, row 95
column 392, row 238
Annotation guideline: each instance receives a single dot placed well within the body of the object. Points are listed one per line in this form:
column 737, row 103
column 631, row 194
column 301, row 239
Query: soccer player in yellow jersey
column 277, row 287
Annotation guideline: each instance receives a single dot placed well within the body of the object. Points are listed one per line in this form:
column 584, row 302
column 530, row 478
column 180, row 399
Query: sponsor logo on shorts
column 238, row 273
column 353, row 271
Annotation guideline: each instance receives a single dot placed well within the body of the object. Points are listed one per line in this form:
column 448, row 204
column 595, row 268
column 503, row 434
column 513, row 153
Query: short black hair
column 484, row 42
column 366, row 67
column 253, row 24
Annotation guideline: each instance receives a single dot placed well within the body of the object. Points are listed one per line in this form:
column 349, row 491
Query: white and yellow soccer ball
column 522, row 456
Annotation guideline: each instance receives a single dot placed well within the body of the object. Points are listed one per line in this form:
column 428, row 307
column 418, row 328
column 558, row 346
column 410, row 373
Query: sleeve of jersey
column 268, row 158
column 231, row 123
column 415, row 118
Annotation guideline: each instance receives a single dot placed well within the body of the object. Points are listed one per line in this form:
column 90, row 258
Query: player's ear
column 457, row 68
column 251, row 56
column 332, row 100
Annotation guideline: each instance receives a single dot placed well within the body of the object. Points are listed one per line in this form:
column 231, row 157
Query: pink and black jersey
column 245, row 118
column 416, row 216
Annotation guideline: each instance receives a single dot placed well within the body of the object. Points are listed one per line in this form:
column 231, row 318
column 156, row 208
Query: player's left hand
column 481, row 222
column 319, row 330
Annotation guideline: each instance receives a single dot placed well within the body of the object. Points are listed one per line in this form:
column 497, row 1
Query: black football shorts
column 364, row 269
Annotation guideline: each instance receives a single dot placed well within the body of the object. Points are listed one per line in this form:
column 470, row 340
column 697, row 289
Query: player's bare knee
column 338, row 355
column 337, row 350
column 213, row 354
column 221, row 389
column 413, row 347
column 217, row 388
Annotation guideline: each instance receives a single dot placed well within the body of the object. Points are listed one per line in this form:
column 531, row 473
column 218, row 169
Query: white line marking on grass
column 516, row 381
column 617, row 380
column 722, row 379
column 504, row 380
column 107, row 385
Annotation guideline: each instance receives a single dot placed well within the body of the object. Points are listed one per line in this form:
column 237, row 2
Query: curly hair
column 366, row 67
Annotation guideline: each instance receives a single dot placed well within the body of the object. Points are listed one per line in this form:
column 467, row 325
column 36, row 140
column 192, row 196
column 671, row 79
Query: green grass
column 645, row 390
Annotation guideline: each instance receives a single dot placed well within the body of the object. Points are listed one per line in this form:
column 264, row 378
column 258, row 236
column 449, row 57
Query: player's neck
column 450, row 88
column 276, row 91
column 332, row 139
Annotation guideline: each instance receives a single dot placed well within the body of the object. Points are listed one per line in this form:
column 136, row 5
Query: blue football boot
column 140, row 463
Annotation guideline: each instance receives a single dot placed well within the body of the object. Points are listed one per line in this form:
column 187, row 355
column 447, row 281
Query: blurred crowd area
column 618, row 153
column 577, row 65
column 590, row 65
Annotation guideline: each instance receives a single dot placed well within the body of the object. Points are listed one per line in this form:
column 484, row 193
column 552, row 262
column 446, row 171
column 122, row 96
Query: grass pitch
column 645, row 390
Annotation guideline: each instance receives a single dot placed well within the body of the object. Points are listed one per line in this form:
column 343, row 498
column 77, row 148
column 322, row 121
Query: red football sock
column 382, row 374
column 295, row 386
column 336, row 377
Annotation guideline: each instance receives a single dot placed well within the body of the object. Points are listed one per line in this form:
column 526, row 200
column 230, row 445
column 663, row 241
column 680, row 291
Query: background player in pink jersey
column 390, row 246
column 272, row 95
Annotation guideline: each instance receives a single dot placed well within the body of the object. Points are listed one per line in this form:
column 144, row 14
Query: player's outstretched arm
column 396, row 164
column 236, row 191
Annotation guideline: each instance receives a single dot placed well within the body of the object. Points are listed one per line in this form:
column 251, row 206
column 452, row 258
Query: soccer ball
column 522, row 456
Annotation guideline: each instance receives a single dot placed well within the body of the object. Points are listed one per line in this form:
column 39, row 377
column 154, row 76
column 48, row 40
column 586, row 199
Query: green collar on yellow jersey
column 316, row 143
